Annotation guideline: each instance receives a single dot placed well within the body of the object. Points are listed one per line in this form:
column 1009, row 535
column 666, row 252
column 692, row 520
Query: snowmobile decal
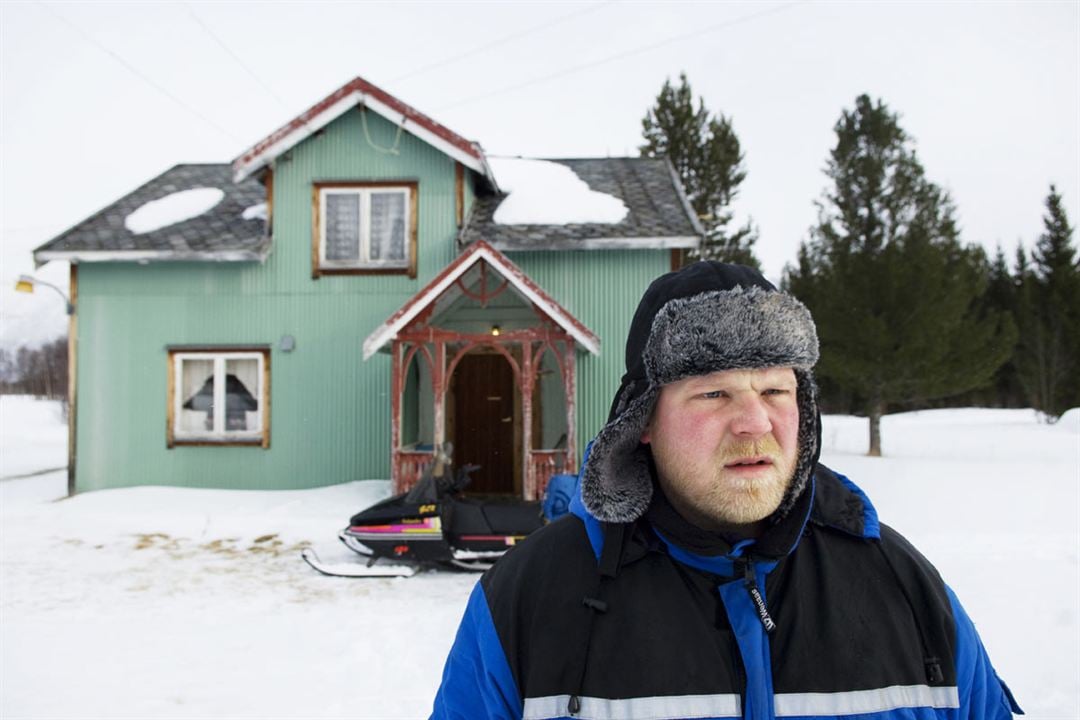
column 431, row 525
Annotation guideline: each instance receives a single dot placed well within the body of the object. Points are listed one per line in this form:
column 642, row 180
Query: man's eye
column 712, row 394
column 777, row 391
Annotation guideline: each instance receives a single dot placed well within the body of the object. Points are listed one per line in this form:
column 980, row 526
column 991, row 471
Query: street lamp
column 26, row 284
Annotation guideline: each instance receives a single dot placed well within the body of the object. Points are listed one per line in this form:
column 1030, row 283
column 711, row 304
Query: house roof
column 658, row 213
column 359, row 92
column 220, row 234
column 445, row 281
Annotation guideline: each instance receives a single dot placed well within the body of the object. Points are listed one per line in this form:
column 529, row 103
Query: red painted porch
column 442, row 369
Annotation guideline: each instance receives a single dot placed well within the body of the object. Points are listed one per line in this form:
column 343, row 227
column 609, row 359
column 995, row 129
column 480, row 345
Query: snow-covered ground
column 176, row 603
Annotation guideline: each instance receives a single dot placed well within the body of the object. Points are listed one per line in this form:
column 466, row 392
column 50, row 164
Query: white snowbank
column 199, row 601
column 1069, row 421
column 255, row 212
column 171, row 209
column 549, row 193
column 33, row 436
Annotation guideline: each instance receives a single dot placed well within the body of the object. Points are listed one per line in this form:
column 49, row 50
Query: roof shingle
column 658, row 214
column 220, row 233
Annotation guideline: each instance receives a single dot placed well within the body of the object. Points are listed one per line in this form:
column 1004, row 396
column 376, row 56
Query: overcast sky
column 97, row 98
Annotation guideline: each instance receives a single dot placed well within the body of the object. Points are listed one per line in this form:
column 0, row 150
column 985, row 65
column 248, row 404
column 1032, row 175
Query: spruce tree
column 1048, row 358
column 707, row 157
column 1001, row 297
column 894, row 292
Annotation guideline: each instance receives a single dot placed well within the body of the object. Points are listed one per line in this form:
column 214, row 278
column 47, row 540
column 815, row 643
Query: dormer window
column 364, row 228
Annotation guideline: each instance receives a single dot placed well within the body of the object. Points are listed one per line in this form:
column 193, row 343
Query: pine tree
column 708, row 159
column 892, row 289
column 1048, row 358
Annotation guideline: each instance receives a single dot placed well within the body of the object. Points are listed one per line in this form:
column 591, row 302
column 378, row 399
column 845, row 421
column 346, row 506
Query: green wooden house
column 355, row 290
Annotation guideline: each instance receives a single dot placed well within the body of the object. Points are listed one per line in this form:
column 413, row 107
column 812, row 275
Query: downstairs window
column 219, row 397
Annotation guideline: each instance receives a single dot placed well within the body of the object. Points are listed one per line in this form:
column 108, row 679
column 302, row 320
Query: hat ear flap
column 809, row 440
column 616, row 484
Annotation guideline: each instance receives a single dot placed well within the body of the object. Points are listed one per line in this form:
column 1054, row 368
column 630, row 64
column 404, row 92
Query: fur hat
column 707, row 317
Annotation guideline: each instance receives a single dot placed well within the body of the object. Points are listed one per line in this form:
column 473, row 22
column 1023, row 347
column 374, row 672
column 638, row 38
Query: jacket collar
column 831, row 500
column 842, row 505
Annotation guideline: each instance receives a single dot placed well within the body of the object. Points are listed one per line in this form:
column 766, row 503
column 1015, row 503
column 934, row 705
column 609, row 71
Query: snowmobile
column 435, row 525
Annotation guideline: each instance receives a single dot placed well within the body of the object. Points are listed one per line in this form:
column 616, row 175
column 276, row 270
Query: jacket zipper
column 750, row 583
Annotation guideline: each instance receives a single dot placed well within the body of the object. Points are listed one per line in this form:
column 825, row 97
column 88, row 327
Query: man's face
column 725, row 444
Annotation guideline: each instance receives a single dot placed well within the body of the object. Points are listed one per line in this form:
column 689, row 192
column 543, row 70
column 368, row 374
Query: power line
column 501, row 41
column 234, row 56
column 137, row 72
column 620, row 55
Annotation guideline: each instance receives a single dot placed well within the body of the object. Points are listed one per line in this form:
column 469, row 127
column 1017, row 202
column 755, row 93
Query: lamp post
column 26, row 283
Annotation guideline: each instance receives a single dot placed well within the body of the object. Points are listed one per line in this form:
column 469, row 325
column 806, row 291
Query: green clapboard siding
column 330, row 411
column 601, row 288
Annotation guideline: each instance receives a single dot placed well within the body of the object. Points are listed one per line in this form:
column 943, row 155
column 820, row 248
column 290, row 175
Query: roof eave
column 673, row 242
column 147, row 256
column 265, row 151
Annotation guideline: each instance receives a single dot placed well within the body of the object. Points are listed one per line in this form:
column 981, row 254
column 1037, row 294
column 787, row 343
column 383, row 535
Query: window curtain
column 197, row 393
column 388, row 226
column 342, row 226
column 243, row 393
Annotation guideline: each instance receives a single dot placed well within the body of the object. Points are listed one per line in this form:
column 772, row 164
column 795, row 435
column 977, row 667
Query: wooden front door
column 484, row 421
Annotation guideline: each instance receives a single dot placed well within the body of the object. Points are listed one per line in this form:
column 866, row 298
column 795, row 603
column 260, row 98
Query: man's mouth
column 750, row 462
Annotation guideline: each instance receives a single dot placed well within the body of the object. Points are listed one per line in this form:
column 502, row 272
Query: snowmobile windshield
column 425, row 491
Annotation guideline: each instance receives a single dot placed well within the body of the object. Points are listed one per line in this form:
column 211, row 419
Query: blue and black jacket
column 828, row 614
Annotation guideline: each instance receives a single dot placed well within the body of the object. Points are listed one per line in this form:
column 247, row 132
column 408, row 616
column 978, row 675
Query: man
column 711, row 568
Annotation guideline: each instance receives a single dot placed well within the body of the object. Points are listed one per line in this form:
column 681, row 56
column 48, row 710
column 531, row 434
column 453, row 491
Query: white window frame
column 219, row 434
column 365, row 261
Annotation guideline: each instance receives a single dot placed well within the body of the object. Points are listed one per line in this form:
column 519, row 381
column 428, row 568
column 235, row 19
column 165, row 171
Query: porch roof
column 515, row 276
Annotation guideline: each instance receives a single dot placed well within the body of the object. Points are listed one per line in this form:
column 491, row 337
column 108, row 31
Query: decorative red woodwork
column 408, row 315
column 545, row 463
column 483, row 296
column 410, row 331
column 528, row 381
column 494, row 344
column 410, row 465
column 538, row 464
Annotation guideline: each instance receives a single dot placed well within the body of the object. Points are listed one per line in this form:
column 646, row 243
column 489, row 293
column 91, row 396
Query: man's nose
column 751, row 418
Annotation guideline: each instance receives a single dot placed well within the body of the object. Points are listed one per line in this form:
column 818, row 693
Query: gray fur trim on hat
column 741, row 328
column 616, row 483
column 718, row 330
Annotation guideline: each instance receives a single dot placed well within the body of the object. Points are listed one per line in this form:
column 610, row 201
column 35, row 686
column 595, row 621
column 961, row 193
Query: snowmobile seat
column 513, row 517
column 465, row 516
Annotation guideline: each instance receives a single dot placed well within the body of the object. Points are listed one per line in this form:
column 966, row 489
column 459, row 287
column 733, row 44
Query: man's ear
column 646, row 434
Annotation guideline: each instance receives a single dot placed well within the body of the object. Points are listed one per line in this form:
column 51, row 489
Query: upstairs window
column 364, row 228
column 219, row 397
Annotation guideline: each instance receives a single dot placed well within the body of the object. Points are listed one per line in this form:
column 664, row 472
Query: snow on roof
column 549, row 193
column 173, row 208
column 255, row 212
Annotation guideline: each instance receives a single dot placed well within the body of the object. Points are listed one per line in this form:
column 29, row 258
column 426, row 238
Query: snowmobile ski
column 346, row 569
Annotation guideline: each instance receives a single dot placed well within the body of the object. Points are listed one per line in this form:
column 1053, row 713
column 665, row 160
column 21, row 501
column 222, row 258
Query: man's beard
column 719, row 496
